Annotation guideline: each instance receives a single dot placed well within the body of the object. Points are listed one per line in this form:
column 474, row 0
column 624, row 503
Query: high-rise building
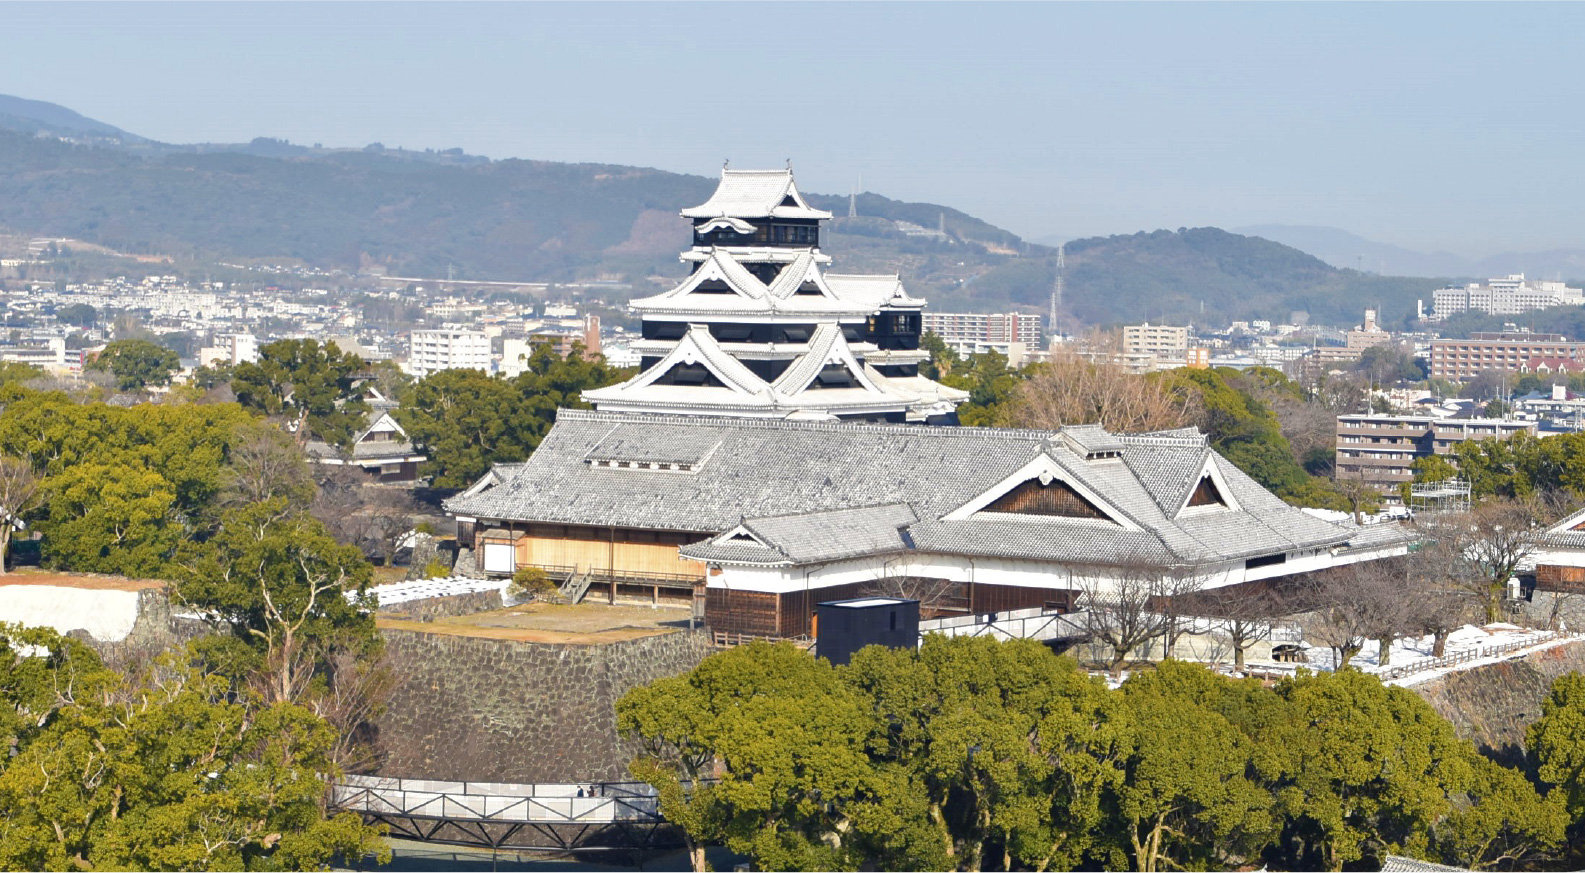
column 1381, row 449
column 1461, row 359
column 1509, row 295
column 1165, row 342
column 759, row 329
column 430, row 351
column 971, row 333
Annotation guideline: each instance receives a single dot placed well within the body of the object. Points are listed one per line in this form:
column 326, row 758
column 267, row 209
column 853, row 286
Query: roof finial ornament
column 725, row 163
column 789, row 166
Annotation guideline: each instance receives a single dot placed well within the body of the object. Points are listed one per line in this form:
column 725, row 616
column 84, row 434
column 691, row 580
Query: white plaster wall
column 1001, row 571
column 107, row 616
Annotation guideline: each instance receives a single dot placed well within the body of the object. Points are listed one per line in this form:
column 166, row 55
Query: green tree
column 167, row 770
column 78, row 315
column 465, row 420
column 315, row 385
column 288, row 590
column 137, row 364
column 1186, row 801
column 1360, row 767
column 110, row 518
column 1556, row 742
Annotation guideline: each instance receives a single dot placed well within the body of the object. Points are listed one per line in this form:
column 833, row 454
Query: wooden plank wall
column 593, row 554
column 1554, row 577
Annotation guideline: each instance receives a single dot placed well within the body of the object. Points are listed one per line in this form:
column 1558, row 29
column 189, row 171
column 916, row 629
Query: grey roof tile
column 810, row 489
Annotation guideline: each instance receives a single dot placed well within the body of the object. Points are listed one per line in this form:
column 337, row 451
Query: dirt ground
column 585, row 623
column 90, row 581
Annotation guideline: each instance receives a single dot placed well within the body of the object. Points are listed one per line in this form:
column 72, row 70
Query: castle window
column 1207, row 494
column 1054, row 498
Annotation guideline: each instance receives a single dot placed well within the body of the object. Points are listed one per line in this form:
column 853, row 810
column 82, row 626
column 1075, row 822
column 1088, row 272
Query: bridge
column 552, row 817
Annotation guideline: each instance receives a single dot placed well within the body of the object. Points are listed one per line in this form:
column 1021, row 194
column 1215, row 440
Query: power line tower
column 853, row 203
column 1056, row 294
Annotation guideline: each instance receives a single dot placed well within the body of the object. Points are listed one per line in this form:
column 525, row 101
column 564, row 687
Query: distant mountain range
column 424, row 213
column 1346, row 250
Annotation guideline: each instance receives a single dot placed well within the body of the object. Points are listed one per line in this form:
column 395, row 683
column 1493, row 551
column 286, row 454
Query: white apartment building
column 972, row 333
column 229, row 350
column 1166, row 343
column 430, row 351
column 1509, row 295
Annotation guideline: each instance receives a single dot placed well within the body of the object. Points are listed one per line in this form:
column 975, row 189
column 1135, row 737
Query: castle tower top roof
column 756, row 194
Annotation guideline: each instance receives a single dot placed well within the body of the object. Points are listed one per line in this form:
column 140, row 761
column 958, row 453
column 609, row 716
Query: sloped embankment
column 1494, row 703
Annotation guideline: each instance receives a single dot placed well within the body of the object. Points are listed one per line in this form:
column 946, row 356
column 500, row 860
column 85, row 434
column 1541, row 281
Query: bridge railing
column 603, row 802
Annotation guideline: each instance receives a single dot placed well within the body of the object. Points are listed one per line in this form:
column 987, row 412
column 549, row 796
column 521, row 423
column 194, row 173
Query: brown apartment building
column 1463, row 359
column 1381, row 449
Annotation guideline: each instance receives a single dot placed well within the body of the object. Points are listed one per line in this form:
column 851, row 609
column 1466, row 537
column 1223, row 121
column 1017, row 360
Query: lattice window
column 1055, row 498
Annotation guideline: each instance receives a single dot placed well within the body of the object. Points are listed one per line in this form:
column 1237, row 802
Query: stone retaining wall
column 431, row 608
column 1493, row 704
column 483, row 710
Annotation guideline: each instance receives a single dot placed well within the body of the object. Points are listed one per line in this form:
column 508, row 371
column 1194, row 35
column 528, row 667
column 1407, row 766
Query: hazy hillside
column 422, row 213
column 1167, row 276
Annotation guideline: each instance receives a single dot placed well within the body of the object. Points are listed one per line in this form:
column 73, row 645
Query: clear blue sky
column 1433, row 126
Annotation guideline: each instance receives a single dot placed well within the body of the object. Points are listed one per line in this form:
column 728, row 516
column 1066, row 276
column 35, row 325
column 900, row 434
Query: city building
column 52, row 356
column 1165, row 342
column 430, row 351
column 1367, row 335
column 759, row 329
column 1509, row 295
column 757, row 520
column 1463, row 359
column 973, row 333
column 1381, row 449
column 230, row 349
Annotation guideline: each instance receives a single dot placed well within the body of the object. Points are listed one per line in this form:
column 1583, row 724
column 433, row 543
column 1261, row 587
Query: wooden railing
column 1423, row 664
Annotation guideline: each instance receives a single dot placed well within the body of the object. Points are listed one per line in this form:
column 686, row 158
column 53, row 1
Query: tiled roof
column 760, row 469
column 871, row 290
column 755, row 194
column 813, row 536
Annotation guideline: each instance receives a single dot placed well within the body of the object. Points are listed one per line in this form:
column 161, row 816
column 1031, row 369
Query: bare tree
column 1485, row 547
column 1071, row 390
column 1124, row 606
column 1244, row 614
column 360, row 513
column 1441, row 604
column 265, row 463
column 1353, row 605
column 19, row 492
column 355, row 693
column 935, row 596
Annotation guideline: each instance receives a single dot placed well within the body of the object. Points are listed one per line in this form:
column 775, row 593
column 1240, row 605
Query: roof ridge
column 807, row 512
column 870, row 427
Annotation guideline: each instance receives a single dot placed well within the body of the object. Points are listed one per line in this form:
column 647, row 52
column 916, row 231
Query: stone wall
column 431, row 608
column 1493, row 704
column 488, row 710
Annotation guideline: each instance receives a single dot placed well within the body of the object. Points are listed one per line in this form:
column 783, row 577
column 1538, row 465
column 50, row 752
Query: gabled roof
column 874, row 291
column 827, row 346
column 697, row 346
column 810, row 536
column 756, row 194
column 794, row 275
column 770, row 468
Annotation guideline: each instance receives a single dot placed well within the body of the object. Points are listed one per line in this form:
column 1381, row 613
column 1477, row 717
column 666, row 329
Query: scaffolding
column 1448, row 495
